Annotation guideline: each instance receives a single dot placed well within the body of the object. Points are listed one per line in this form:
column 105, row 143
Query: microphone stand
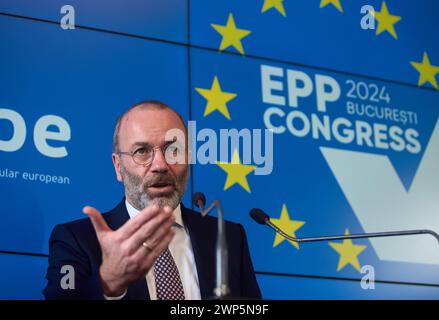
column 354, row 236
column 222, row 255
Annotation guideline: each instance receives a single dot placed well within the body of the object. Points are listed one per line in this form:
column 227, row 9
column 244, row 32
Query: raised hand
column 129, row 252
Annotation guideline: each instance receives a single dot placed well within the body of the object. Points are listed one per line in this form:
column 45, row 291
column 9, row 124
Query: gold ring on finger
column 146, row 246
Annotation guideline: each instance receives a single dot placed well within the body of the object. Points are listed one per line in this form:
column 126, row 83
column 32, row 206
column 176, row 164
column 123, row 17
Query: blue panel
column 164, row 19
column 327, row 180
column 88, row 79
column 325, row 37
column 316, row 184
column 22, row 277
column 279, row 287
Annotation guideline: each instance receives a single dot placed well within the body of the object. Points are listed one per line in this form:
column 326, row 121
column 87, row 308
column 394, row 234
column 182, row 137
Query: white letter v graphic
column 381, row 203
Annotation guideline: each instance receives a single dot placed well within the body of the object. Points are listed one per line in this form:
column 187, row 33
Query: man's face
column 159, row 182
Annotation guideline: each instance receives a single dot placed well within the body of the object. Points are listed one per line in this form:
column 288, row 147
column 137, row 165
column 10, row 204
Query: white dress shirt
column 181, row 250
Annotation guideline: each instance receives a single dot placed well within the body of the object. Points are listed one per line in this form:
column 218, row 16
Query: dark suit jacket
column 75, row 243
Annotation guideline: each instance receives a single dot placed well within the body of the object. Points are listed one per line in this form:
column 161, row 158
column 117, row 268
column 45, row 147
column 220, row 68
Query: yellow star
column 277, row 4
column 289, row 226
column 427, row 72
column 231, row 35
column 348, row 253
column 386, row 21
column 335, row 3
column 216, row 98
column 236, row 172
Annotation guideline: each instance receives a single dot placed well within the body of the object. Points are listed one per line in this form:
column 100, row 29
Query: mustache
column 160, row 179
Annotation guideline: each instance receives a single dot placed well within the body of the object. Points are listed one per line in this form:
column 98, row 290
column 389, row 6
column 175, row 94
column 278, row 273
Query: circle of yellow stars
column 217, row 99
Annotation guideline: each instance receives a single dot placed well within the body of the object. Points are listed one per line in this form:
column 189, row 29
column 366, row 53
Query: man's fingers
column 147, row 257
column 138, row 221
column 163, row 244
column 152, row 231
column 97, row 220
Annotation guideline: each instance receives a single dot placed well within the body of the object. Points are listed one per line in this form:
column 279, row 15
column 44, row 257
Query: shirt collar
column 132, row 212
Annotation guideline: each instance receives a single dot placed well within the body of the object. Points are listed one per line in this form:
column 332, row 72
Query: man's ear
column 116, row 163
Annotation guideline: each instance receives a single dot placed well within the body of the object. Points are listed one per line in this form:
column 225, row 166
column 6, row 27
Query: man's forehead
column 146, row 124
column 151, row 117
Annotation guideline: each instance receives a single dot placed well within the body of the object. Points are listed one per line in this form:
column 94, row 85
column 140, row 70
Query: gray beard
column 136, row 190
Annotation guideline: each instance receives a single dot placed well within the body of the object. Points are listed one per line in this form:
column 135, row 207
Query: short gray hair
column 145, row 105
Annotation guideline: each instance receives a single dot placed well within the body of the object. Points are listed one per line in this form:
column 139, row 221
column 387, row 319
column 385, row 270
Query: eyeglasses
column 174, row 153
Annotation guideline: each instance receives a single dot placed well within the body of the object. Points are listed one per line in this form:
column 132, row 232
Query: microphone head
column 199, row 196
column 259, row 216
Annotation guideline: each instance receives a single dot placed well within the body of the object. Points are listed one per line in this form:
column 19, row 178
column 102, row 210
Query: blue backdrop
column 353, row 111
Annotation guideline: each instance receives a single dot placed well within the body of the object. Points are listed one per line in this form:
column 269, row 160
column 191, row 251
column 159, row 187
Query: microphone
column 199, row 200
column 262, row 218
column 222, row 288
column 259, row 216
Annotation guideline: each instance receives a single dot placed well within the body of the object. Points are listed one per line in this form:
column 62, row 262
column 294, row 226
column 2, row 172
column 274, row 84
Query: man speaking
column 150, row 246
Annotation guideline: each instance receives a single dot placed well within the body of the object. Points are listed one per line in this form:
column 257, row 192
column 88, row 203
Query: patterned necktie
column 167, row 278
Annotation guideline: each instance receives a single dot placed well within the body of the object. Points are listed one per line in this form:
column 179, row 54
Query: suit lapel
column 202, row 239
